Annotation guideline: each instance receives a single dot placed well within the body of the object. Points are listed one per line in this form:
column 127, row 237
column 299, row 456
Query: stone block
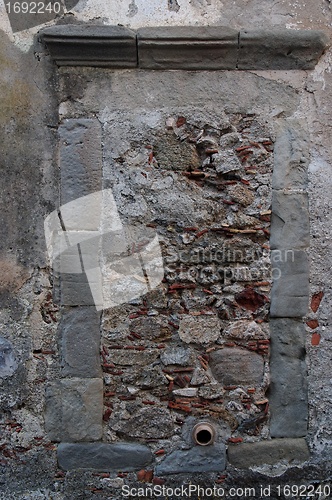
column 236, row 366
column 76, row 291
column 280, row 49
column 290, row 221
column 103, row 456
column 198, row 459
column 79, row 332
column 175, row 356
column 271, row 452
column 171, row 154
column 80, row 164
column 290, row 290
column 199, row 329
column 288, row 389
column 74, row 409
column 91, row 45
column 291, row 156
column 187, row 47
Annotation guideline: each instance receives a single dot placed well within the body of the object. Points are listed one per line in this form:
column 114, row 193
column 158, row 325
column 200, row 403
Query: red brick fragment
column 315, row 339
column 180, row 121
column 313, row 323
column 316, row 300
column 158, row 480
column 235, row 440
column 250, row 299
column 141, row 475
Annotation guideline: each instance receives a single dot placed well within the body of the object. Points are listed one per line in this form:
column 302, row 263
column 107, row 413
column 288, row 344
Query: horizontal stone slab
column 103, row 456
column 91, row 45
column 198, row 459
column 280, row 49
column 271, row 452
column 184, row 47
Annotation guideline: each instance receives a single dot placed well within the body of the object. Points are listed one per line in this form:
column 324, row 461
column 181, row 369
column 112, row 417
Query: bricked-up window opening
column 206, row 173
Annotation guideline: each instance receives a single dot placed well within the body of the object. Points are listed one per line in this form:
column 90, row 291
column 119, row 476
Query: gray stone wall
column 46, row 342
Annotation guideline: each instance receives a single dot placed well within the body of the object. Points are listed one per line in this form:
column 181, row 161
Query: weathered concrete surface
column 271, row 452
column 103, row 457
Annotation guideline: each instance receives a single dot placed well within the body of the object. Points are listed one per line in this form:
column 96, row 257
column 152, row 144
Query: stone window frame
column 196, row 48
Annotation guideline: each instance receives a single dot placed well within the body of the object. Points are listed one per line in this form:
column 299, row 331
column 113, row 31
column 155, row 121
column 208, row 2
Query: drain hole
column 203, row 434
column 204, row 437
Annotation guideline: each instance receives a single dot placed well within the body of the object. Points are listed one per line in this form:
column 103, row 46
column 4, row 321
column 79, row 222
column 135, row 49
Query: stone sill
column 184, row 47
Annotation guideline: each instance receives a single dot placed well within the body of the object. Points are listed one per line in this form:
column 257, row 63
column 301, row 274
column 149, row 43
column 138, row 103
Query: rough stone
column 171, row 154
column 245, row 330
column 290, row 221
column 198, row 459
column 80, row 341
column 175, row 356
column 74, row 409
column 103, row 456
column 199, row 329
column 241, row 194
column 226, row 161
column 184, row 47
column 152, row 328
column 288, row 389
column 91, row 45
column 188, row 392
column 236, row 366
column 148, row 423
column 8, row 364
column 134, row 358
column 291, row 156
column 280, row 49
column 80, row 162
column 271, row 452
column 290, row 289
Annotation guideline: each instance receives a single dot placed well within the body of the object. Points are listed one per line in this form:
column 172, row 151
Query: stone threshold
column 184, row 47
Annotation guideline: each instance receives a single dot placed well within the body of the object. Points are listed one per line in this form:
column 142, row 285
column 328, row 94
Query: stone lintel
column 91, row 45
column 103, row 456
column 271, row 452
column 280, row 49
column 184, row 47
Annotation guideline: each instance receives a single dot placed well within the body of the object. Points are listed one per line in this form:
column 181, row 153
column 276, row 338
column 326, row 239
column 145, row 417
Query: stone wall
column 200, row 163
